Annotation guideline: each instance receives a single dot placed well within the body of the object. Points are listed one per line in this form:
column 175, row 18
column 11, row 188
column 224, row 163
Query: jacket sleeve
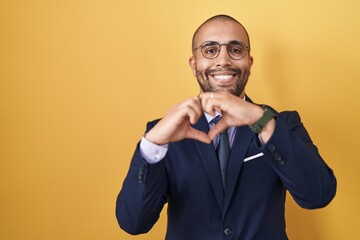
column 143, row 194
column 298, row 163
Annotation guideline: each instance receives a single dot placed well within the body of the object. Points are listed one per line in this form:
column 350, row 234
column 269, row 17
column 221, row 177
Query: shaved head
column 221, row 73
column 220, row 18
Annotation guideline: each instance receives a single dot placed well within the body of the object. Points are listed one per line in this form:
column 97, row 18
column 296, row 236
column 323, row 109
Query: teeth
column 223, row 77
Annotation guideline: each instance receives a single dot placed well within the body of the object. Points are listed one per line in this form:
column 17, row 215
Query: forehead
column 221, row 31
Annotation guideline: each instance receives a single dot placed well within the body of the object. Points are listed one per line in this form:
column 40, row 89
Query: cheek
column 199, row 72
column 199, row 75
column 245, row 69
column 203, row 64
column 199, row 68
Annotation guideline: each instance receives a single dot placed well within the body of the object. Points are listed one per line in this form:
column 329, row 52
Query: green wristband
column 269, row 113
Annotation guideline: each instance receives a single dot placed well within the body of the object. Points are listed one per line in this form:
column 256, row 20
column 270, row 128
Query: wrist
column 153, row 138
column 256, row 115
column 267, row 131
column 268, row 115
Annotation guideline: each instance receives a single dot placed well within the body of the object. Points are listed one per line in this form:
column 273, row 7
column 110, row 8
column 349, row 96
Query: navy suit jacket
column 252, row 205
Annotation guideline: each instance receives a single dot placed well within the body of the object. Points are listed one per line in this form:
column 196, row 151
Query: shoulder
column 289, row 115
column 291, row 119
column 151, row 124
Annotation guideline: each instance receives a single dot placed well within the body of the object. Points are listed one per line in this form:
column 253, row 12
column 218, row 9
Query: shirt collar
column 209, row 118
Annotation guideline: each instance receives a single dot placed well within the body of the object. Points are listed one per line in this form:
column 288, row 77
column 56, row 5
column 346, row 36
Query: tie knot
column 216, row 119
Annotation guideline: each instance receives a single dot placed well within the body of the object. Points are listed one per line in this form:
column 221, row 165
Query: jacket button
column 272, row 148
column 280, row 160
column 141, row 173
column 141, row 178
column 227, row 231
column 277, row 157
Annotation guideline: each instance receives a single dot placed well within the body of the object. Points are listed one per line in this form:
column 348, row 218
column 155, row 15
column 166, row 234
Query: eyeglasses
column 211, row 49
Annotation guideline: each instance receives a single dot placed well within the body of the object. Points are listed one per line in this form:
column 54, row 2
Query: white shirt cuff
column 152, row 152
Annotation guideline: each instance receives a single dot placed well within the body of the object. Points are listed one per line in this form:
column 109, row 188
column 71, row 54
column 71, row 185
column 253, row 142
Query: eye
column 237, row 49
column 211, row 50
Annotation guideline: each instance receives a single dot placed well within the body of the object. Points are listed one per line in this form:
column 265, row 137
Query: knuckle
column 196, row 98
column 191, row 101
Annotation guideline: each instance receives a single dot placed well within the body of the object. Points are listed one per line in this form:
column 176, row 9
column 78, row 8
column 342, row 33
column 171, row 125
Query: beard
column 236, row 88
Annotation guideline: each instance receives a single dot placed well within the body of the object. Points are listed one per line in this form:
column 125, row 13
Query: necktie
column 222, row 151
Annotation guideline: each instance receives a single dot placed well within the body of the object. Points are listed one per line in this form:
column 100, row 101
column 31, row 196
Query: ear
column 251, row 61
column 192, row 63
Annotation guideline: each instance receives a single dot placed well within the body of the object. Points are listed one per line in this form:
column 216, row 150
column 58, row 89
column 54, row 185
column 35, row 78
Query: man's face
column 221, row 74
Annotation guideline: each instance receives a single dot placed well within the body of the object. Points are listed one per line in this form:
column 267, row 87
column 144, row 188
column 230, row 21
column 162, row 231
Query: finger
column 217, row 129
column 193, row 113
column 196, row 105
column 190, row 110
column 193, row 116
column 203, row 99
column 207, row 101
column 198, row 135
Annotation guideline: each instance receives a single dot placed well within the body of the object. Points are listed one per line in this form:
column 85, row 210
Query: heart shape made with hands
column 178, row 123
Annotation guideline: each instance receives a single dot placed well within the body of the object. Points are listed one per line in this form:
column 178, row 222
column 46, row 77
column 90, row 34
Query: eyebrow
column 211, row 43
column 236, row 42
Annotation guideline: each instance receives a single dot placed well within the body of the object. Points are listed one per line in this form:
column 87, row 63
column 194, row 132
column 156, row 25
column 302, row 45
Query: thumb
column 198, row 135
column 217, row 129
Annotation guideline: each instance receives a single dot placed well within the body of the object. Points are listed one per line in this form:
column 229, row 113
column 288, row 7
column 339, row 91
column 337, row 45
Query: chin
column 232, row 90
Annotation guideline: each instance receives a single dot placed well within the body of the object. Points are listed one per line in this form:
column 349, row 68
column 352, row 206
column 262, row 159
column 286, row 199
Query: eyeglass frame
column 222, row 44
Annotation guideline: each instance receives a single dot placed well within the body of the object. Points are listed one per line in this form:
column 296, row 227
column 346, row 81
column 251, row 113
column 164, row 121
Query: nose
column 223, row 59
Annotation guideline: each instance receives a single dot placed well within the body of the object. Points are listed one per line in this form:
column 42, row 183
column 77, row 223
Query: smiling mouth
column 223, row 77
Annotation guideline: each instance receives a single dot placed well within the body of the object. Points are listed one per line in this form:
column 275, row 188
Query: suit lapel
column 210, row 162
column 242, row 140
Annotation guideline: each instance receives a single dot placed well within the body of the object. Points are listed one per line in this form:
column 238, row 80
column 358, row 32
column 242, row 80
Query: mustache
column 235, row 70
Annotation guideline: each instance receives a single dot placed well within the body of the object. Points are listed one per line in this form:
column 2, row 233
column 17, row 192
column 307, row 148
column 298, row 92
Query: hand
column 235, row 112
column 176, row 124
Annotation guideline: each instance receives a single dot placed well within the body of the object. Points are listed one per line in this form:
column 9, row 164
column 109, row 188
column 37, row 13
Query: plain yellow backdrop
column 80, row 79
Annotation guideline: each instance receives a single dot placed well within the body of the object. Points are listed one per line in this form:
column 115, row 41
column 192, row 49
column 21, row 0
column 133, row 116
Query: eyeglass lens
column 212, row 49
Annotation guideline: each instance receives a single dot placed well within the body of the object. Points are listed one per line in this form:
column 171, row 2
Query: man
column 218, row 187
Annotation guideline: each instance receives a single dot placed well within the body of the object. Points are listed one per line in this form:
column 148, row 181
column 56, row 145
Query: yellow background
column 79, row 80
